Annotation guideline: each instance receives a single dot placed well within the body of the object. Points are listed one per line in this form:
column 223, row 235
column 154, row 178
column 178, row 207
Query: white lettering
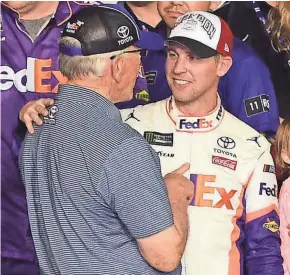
column 123, row 41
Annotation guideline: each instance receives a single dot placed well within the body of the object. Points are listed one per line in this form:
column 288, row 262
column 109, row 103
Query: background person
column 29, row 70
column 283, row 159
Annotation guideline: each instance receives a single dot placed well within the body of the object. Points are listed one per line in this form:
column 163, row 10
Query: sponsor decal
column 220, row 151
column 160, row 139
column 123, row 32
column 255, row 139
column 257, row 105
column 50, row 118
column 195, row 124
column 204, row 192
column 73, row 27
column 131, row 115
column 226, row 143
column 143, row 95
column 269, row 191
column 164, row 154
column 271, row 226
column 37, row 77
column 269, row 168
column 151, row 77
column 228, row 163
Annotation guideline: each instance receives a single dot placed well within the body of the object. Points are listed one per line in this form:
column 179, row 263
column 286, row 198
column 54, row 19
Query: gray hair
column 74, row 67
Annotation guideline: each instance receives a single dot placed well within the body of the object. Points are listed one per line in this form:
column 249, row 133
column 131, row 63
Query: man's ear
column 224, row 64
column 214, row 5
column 117, row 68
column 285, row 157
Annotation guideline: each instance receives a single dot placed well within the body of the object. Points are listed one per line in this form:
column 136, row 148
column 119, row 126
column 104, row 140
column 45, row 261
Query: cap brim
column 150, row 41
column 196, row 47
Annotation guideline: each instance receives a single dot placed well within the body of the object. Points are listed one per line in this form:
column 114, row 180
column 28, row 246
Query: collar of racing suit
column 194, row 124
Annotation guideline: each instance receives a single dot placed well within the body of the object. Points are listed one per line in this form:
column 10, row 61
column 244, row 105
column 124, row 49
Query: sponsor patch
column 123, row 32
column 269, row 191
column 165, row 154
column 151, row 77
column 226, row 143
column 160, row 139
column 269, row 168
column 257, row 105
column 271, row 226
column 50, row 118
column 221, row 151
column 228, row 163
column 191, row 124
column 143, row 95
column 131, row 115
column 73, row 27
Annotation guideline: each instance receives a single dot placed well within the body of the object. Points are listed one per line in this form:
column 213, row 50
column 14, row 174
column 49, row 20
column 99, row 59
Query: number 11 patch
column 257, row 105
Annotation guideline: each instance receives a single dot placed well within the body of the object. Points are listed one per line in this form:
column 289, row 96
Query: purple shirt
column 29, row 71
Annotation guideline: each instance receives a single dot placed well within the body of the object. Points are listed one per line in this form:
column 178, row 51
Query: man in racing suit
column 233, row 215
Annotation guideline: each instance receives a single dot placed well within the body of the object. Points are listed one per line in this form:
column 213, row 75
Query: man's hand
column 32, row 110
column 178, row 186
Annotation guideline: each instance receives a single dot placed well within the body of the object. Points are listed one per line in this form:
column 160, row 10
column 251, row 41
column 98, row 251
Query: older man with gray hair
column 97, row 201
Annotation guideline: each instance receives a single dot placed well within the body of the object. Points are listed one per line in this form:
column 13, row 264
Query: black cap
column 104, row 29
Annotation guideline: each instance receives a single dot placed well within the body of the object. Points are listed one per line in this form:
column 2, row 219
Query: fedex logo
column 184, row 124
column 268, row 190
column 210, row 196
column 37, row 77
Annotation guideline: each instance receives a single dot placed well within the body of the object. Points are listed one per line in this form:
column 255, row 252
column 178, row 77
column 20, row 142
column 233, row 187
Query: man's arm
column 143, row 201
column 262, row 249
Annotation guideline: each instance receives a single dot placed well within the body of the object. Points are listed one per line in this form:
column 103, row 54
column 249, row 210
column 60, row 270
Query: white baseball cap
column 204, row 33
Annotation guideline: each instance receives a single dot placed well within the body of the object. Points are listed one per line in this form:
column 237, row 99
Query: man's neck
column 88, row 83
column 38, row 10
column 147, row 13
column 200, row 107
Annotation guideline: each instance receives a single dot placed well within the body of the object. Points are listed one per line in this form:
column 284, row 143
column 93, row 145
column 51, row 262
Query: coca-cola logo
column 231, row 164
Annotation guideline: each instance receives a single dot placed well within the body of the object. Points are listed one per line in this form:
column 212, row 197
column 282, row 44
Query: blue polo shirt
column 93, row 187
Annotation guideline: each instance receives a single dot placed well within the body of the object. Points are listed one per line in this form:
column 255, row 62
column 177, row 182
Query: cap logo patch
column 123, row 32
column 189, row 24
column 72, row 27
column 190, row 18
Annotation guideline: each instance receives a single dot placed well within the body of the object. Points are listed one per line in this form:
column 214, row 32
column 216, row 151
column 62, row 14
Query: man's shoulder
column 143, row 114
column 244, row 54
column 249, row 140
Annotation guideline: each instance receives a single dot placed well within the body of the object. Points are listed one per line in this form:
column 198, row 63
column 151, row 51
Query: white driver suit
column 233, row 215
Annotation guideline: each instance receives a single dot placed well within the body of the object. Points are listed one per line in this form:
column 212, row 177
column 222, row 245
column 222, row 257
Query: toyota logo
column 226, row 142
column 123, row 32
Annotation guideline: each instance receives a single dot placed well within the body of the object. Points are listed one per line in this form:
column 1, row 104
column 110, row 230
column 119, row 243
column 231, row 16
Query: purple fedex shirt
column 28, row 71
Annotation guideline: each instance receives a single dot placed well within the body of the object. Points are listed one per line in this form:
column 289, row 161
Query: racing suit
column 29, row 71
column 233, row 215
